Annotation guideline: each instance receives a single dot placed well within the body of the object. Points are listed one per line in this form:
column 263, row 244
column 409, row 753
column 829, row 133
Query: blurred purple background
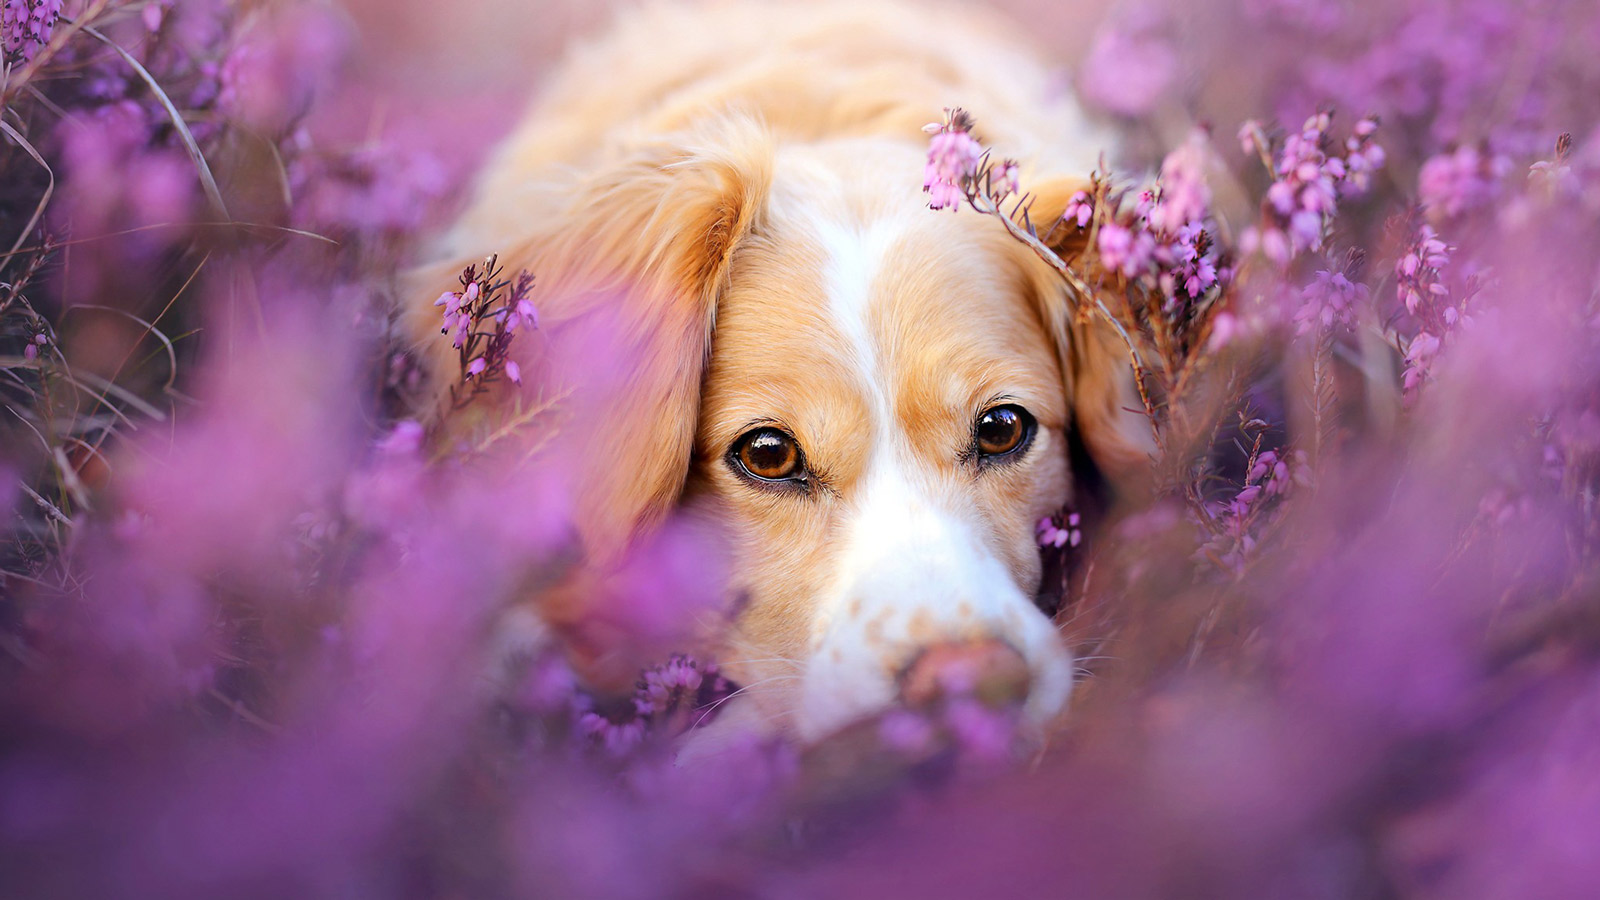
column 247, row 601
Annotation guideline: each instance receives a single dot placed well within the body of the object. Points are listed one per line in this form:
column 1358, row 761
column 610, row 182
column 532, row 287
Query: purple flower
column 1307, row 185
column 615, row 739
column 1185, row 196
column 1003, row 179
column 1080, row 209
column 666, row 686
column 1123, row 250
column 953, row 158
column 1305, row 229
column 1224, row 327
column 1417, row 275
column 1466, row 179
column 1253, row 138
column 1421, row 353
column 26, row 26
column 1060, row 530
column 1193, row 266
column 1331, row 299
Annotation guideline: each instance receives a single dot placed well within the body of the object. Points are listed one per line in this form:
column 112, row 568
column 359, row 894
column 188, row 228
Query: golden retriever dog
column 876, row 402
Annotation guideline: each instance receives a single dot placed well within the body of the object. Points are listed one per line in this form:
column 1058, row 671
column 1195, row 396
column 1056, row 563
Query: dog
column 876, row 402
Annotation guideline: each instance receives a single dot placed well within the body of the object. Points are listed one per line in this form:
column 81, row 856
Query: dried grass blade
column 207, row 181
column 38, row 211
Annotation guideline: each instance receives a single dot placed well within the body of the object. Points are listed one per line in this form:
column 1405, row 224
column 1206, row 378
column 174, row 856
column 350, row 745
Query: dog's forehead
column 854, row 304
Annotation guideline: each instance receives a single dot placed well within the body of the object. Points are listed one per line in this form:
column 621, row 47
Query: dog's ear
column 629, row 256
column 1094, row 361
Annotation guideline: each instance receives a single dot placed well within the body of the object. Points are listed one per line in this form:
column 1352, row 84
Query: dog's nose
column 987, row 670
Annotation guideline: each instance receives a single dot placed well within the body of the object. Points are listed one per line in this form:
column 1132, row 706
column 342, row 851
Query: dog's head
column 875, row 401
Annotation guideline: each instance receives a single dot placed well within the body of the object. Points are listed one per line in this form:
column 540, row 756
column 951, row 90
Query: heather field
column 1344, row 643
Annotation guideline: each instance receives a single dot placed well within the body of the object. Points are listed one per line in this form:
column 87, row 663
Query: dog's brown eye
column 1002, row 430
column 768, row 454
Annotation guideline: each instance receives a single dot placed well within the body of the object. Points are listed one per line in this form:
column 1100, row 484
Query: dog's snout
column 987, row 670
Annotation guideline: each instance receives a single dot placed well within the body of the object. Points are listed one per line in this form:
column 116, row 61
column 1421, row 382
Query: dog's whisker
column 742, row 688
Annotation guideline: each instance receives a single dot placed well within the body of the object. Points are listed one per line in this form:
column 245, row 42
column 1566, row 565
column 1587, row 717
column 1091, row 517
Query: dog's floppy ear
column 629, row 255
column 1094, row 360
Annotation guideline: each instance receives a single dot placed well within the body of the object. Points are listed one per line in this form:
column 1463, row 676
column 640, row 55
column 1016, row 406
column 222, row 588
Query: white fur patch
column 914, row 571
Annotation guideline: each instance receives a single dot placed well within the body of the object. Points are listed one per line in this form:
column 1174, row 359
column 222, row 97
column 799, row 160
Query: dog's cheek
column 1013, row 502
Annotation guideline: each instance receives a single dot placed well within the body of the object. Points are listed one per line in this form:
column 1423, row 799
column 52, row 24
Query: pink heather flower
column 153, row 14
column 527, row 313
column 1468, row 178
column 1252, row 138
column 1307, row 183
column 1066, row 534
column 1124, row 251
column 1331, row 299
column 477, row 366
column 1417, row 271
column 1003, row 179
column 1281, row 196
column 1421, row 354
column 513, row 372
column 1363, row 156
column 616, row 739
column 1190, row 257
column 1305, row 227
column 1224, row 326
column 1080, row 209
column 26, row 26
column 953, row 158
column 1185, row 197
column 675, row 682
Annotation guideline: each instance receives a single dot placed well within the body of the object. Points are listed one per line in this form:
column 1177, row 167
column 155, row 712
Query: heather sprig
column 1460, row 181
column 1335, row 298
column 1233, row 526
column 669, row 699
column 1434, row 306
column 481, row 321
column 1309, row 178
column 957, row 164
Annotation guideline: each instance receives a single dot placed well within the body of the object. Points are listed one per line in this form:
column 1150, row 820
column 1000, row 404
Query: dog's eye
column 1003, row 431
column 769, row 455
